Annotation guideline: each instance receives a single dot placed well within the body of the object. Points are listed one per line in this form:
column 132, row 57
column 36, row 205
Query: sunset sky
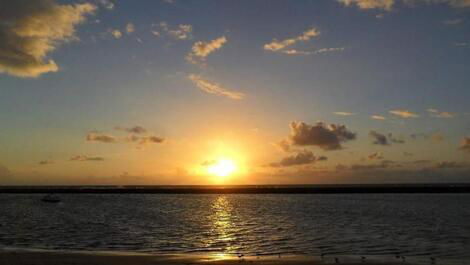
column 234, row 92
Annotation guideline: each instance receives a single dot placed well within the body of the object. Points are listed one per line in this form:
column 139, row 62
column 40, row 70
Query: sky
column 174, row 92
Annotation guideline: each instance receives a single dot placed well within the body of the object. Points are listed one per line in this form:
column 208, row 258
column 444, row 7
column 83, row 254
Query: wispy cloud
column 214, row 88
column 135, row 129
column 370, row 4
column 404, row 113
column 116, row 33
column 201, row 49
column 277, row 45
column 130, row 28
column 344, row 113
column 100, row 137
column 318, row 51
column 83, row 158
column 30, row 30
column 452, row 22
column 301, row 158
column 179, row 32
column 440, row 114
column 388, row 5
column 378, row 117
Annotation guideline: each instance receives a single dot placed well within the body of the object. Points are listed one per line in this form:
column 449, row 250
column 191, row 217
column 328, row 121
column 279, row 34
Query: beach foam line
column 16, row 256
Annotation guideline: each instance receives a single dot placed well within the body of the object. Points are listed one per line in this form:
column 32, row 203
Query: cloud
column 404, row 113
column 201, row 50
column 342, row 113
column 387, row 5
column 378, row 117
column 322, row 135
column 130, row 28
column 136, row 129
column 99, row 137
column 277, row 45
column 31, row 29
column 45, row 162
column 375, row 156
column 4, row 172
column 214, row 88
column 453, row 21
column 284, row 145
column 144, row 140
column 83, row 158
column 301, row 158
column 382, row 139
column 117, row 34
column 318, row 51
column 450, row 164
column 395, row 140
column 465, row 144
column 180, row 32
column 440, row 114
column 370, row 4
column 106, row 4
column 379, row 139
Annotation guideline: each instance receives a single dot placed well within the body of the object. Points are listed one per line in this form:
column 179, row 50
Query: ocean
column 412, row 225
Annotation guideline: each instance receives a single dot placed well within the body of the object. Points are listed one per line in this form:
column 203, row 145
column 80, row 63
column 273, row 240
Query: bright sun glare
column 222, row 168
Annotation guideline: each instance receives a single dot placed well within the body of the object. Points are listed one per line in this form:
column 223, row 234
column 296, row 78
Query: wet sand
column 22, row 257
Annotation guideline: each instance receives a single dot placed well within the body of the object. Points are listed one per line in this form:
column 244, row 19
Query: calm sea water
column 385, row 224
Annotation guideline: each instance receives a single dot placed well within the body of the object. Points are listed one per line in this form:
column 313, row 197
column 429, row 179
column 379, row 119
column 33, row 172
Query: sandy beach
column 25, row 257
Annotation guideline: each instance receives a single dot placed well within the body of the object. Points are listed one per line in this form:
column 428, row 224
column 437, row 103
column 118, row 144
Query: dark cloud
column 382, row 139
column 83, row 158
column 301, row 158
column 99, row 137
column 31, row 29
column 465, row 145
column 135, row 129
column 375, row 156
column 395, row 140
column 450, row 164
column 322, row 135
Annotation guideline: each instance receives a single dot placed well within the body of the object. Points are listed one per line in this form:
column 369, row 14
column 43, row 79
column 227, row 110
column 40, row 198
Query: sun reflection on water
column 223, row 226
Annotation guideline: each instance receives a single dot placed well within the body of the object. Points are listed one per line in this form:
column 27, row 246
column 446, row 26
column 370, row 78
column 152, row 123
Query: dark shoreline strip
column 325, row 189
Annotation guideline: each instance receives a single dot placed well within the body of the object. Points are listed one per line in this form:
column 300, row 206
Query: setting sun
column 222, row 168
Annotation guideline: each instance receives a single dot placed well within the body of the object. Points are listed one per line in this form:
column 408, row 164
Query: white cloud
column 116, row 33
column 214, row 88
column 440, row 114
column 343, row 113
column 201, row 50
column 404, row 113
column 388, row 5
column 31, row 29
column 130, row 28
column 277, row 45
column 378, row 117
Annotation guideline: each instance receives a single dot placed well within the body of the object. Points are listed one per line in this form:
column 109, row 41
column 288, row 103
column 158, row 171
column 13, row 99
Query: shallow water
column 382, row 224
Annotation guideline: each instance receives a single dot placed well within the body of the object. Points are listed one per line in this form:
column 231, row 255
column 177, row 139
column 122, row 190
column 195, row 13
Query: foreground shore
column 22, row 257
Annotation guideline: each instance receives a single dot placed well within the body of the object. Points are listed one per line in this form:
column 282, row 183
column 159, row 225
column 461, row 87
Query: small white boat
column 51, row 198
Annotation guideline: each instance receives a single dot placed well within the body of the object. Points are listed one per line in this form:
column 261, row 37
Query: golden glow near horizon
column 222, row 168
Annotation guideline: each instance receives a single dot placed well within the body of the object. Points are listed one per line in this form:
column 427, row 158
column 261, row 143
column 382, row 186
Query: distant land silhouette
column 247, row 189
